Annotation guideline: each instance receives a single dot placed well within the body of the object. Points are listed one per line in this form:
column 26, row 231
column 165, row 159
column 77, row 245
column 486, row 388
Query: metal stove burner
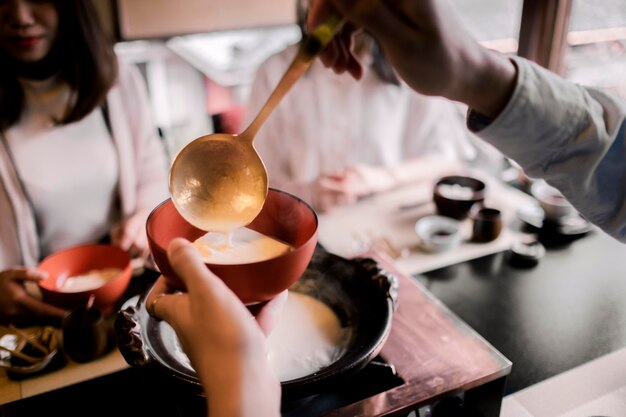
column 378, row 376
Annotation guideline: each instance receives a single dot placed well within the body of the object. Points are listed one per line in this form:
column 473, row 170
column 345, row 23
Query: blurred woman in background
column 80, row 160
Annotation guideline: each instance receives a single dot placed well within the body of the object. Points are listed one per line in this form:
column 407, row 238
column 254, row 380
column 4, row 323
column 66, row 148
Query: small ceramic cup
column 487, row 224
column 86, row 334
column 438, row 233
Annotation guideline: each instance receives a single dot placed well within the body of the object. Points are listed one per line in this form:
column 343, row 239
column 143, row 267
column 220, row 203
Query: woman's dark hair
column 379, row 64
column 84, row 57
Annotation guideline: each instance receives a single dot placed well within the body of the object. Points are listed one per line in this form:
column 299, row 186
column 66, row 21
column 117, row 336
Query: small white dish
column 553, row 203
column 438, row 233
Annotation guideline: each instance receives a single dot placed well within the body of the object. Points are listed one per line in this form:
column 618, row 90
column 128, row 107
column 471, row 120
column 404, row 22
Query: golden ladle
column 218, row 182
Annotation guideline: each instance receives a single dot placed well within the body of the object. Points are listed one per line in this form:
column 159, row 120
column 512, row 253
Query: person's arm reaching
column 571, row 136
column 429, row 48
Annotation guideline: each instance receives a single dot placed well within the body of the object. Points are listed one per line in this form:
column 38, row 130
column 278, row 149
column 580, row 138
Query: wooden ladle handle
column 309, row 48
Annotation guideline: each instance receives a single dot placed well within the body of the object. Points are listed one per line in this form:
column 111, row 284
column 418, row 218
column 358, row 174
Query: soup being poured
column 242, row 245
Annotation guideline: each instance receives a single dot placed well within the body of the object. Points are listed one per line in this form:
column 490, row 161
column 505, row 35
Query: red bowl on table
column 81, row 260
column 284, row 217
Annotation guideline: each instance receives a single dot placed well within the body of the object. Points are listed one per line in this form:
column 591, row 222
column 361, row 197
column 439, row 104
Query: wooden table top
column 432, row 350
column 72, row 373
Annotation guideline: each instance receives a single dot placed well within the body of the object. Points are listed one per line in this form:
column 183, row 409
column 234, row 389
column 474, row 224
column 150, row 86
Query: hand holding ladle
column 218, row 182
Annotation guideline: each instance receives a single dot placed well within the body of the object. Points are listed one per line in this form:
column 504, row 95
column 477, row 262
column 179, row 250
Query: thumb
column 190, row 268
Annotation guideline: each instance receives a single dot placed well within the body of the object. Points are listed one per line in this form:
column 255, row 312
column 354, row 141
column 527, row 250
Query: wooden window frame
column 542, row 38
column 543, row 32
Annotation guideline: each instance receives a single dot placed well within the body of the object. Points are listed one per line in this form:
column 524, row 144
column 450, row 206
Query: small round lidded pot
column 86, row 334
column 454, row 195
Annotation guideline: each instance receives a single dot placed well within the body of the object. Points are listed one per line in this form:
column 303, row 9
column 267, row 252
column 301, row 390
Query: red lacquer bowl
column 79, row 260
column 283, row 217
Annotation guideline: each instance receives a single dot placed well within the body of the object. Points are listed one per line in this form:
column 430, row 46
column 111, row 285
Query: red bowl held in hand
column 284, row 217
column 79, row 261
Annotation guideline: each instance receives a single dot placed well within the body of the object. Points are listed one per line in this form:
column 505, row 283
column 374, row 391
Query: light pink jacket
column 142, row 164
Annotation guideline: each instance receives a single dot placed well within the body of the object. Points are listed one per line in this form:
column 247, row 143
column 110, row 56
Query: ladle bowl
column 218, row 182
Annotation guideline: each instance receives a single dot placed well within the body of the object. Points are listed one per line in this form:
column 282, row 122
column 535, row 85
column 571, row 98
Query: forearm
column 241, row 388
column 431, row 50
column 488, row 86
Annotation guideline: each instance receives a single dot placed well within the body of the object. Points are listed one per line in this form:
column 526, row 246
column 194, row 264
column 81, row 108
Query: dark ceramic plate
column 361, row 294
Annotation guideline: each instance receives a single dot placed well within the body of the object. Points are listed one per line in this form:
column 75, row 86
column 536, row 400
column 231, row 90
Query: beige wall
column 140, row 19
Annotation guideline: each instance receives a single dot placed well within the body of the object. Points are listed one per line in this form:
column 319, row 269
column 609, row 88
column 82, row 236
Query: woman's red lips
column 28, row 41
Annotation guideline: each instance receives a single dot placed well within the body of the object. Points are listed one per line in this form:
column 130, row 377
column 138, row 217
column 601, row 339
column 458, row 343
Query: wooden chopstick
column 29, row 339
column 21, row 355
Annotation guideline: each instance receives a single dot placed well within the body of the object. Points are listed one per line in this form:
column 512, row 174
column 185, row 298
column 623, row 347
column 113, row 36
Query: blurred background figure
column 80, row 159
column 333, row 139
